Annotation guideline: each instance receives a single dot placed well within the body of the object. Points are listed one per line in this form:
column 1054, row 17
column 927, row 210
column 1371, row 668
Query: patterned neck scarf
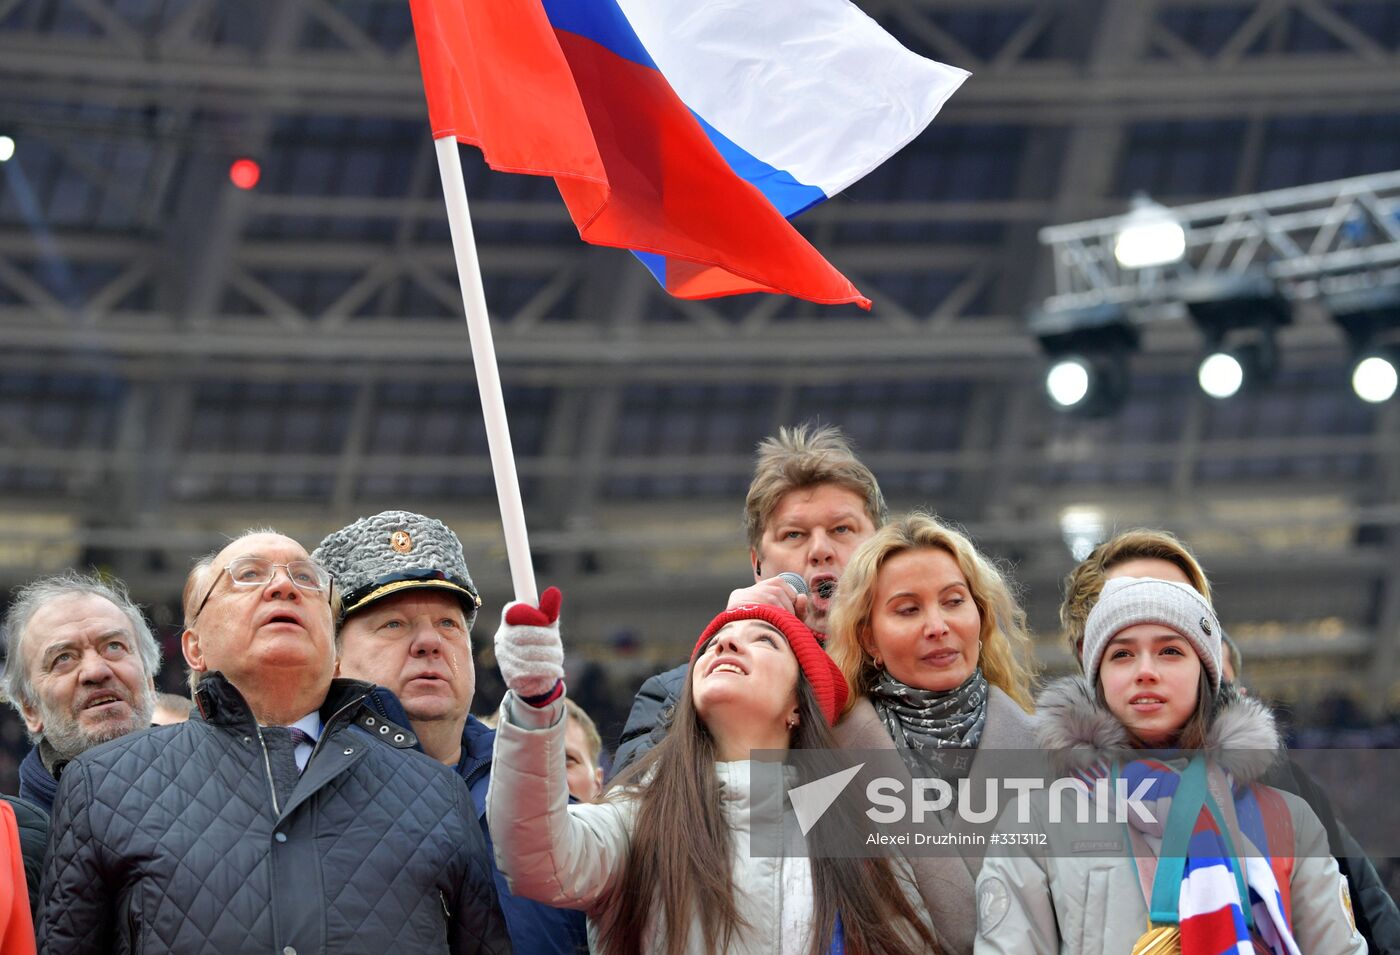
column 1209, row 904
column 923, row 721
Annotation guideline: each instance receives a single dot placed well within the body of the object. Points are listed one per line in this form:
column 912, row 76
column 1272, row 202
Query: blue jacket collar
column 478, row 740
column 36, row 783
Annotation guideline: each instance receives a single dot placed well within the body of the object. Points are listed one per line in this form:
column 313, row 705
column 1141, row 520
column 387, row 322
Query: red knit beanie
column 828, row 685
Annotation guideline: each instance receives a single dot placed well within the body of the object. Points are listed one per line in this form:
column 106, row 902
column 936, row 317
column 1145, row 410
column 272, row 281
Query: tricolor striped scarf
column 1210, row 907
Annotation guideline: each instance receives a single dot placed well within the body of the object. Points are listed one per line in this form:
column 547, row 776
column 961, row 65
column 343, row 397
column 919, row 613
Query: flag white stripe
column 815, row 88
column 1207, row 890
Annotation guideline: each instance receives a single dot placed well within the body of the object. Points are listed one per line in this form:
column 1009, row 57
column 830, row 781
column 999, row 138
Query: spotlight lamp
column 1371, row 319
column 1245, row 366
column 1088, row 351
column 1373, row 378
column 1150, row 235
column 1239, row 316
column 1092, row 384
column 1221, row 374
column 1068, row 381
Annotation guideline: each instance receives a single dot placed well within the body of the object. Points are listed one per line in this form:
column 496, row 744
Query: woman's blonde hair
column 1006, row 656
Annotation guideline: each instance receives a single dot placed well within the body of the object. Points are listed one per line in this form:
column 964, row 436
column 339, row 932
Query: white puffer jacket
column 572, row 856
column 1082, row 892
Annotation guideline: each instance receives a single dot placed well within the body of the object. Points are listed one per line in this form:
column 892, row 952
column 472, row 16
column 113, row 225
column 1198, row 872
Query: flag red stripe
column 673, row 193
column 635, row 168
column 1209, row 933
column 495, row 78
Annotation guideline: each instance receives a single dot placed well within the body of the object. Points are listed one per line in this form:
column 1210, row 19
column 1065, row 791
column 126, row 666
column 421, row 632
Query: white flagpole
column 488, row 376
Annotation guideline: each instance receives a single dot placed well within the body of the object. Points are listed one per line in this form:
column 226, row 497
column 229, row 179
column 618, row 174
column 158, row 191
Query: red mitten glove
column 546, row 614
column 528, row 649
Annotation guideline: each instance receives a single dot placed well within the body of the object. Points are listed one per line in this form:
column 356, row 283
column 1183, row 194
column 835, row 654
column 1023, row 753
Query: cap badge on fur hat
column 395, row 551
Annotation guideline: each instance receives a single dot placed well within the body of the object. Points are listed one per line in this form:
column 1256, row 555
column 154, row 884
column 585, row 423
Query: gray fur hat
column 1127, row 601
column 392, row 552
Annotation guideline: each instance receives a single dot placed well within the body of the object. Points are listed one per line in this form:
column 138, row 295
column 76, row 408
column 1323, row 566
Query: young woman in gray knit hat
column 1217, row 862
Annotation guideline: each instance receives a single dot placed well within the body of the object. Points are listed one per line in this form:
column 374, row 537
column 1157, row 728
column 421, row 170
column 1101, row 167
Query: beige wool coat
column 946, row 882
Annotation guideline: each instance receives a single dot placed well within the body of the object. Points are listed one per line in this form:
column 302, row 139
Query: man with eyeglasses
column 407, row 609
column 284, row 816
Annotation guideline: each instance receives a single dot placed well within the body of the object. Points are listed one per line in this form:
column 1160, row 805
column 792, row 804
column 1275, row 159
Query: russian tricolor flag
column 1212, row 917
column 684, row 131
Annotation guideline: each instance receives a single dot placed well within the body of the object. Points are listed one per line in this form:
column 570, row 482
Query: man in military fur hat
column 407, row 609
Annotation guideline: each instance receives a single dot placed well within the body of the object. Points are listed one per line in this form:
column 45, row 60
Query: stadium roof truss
column 177, row 355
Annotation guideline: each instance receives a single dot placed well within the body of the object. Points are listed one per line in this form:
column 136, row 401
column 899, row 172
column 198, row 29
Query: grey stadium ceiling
column 179, row 359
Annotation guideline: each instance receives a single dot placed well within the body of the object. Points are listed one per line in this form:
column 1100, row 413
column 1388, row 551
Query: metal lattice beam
column 154, row 315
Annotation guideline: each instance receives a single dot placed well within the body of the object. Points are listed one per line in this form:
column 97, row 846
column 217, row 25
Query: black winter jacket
column 171, row 840
column 33, row 838
column 650, row 718
column 535, row 929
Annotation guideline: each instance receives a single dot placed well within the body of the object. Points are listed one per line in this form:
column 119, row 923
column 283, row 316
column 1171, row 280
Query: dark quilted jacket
column 168, row 840
column 650, row 719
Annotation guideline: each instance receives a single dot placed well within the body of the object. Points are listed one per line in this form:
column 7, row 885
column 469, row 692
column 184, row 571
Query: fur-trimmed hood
column 1079, row 731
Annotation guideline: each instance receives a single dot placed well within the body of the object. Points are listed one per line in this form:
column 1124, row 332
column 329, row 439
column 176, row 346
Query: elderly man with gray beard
column 80, row 669
column 80, row 666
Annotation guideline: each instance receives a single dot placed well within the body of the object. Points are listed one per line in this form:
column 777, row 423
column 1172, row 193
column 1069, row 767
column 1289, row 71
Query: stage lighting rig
column 1239, row 315
column 1089, row 353
column 1236, row 267
column 1370, row 317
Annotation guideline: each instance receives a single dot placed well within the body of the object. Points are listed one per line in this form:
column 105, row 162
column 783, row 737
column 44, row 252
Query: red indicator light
column 244, row 173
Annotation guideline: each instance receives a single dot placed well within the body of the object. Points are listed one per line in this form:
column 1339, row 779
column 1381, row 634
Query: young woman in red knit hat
column 663, row 863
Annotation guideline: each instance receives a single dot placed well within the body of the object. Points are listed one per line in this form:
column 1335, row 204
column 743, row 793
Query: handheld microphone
column 794, row 581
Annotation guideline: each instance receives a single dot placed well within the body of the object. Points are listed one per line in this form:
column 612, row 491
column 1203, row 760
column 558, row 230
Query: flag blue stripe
column 601, row 21
column 788, row 196
column 656, row 264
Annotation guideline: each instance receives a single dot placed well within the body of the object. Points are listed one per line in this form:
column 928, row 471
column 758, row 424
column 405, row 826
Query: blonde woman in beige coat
column 936, row 651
